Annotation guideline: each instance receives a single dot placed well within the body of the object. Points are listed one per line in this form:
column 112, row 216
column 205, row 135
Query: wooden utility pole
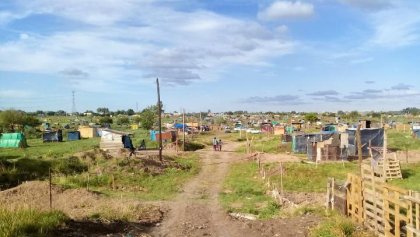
column 359, row 145
column 159, row 104
column 183, row 129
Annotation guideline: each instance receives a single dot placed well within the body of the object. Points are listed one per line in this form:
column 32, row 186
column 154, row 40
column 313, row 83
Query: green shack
column 10, row 140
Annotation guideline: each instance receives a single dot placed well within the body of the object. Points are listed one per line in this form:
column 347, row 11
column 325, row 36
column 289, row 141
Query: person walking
column 220, row 144
column 215, row 143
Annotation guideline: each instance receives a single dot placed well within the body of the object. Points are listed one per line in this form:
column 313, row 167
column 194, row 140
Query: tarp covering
column 73, row 136
column 374, row 135
column 13, row 140
column 56, row 136
column 180, row 126
column 300, row 142
column 416, row 133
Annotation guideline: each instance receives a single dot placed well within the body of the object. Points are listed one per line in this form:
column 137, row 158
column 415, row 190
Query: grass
column 29, row 222
column 336, row 225
column 402, row 141
column 244, row 192
column 268, row 144
column 411, row 177
column 38, row 149
column 125, row 178
column 303, row 177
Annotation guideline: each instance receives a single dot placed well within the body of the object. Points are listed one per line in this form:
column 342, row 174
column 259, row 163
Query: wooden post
column 50, row 178
column 281, row 178
column 183, row 129
column 327, row 203
column 332, row 193
column 88, row 180
column 359, row 145
column 406, row 154
column 159, row 120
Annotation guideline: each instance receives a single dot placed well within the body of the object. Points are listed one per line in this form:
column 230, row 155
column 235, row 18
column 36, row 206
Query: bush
column 29, row 222
column 191, row 146
column 69, row 166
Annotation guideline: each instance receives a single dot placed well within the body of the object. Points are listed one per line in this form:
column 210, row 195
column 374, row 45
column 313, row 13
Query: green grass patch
column 411, row 177
column 303, row 177
column 38, row 149
column 132, row 178
column 244, row 192
column 264, row 143
column 402, row 141
column 29, row 222
column 336, row 225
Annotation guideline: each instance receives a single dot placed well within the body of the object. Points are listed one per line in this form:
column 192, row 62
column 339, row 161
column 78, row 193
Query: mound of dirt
column 79, row 204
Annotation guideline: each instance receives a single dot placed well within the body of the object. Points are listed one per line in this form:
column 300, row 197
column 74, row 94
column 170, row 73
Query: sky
column 253, row 55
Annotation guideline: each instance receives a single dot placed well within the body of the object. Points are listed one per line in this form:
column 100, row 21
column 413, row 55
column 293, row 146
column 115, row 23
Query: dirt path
column 197, row 212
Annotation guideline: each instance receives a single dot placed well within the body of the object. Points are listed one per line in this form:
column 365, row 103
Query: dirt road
column 197, row 212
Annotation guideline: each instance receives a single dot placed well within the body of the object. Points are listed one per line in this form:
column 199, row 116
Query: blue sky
column 319, row 55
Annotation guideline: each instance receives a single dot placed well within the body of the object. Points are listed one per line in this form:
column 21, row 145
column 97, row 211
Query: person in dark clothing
column 220, row 144
column 142, row 145
column 128, row 144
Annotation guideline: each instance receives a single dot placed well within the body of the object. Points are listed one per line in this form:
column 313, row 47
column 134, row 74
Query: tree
column 148, row 117
column 105, row 120
column 311, row 117
column 10, row 120
column 123, row 120
column 130, row 112
column 102, row 110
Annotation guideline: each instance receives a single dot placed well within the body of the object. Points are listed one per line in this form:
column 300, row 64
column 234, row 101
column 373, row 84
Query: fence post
column 49, row 172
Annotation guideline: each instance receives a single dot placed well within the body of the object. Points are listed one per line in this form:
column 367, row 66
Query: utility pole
column 183, row 129
column 73, row 109
column 159, row 120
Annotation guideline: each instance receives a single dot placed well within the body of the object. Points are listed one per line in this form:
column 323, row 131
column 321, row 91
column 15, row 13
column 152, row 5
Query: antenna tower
column 73, row 109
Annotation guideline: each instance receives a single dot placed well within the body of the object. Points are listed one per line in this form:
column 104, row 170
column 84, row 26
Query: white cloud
column 130, row 42
column 286, row 9
column 396, row 27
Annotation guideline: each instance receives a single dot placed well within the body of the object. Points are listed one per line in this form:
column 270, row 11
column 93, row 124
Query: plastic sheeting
column 374, row 135
column 56, row 136
column 300, row 142
column 73, row 136
column 13, row 140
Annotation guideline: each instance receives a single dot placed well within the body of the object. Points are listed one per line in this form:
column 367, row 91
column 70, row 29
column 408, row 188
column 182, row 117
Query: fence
column 385, row 209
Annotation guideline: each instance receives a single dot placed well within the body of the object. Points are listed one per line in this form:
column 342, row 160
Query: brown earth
column 197, row 212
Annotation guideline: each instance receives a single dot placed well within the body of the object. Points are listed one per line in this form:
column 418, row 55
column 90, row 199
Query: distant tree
column 340, row 113
column 10, row 120
column 353, row 115
column 123, row 120
column 130, row 112
column 102, row 110
column 411, row 110
column 311, row 117
column 105, row 120
column 148, row 117
column 50, row 113
column 136, row 119
column 60, row 113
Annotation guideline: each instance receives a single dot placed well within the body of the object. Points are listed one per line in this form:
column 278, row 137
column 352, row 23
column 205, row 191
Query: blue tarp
column 416, row 133
column 180, row 126
column 73, row 136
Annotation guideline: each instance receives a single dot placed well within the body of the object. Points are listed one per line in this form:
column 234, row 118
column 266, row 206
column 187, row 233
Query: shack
column 113, row 139
column 52, row 136
column 13, row 140
column 267, row 128
column 369, row 136
column 73, row 135
column 88, row 132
